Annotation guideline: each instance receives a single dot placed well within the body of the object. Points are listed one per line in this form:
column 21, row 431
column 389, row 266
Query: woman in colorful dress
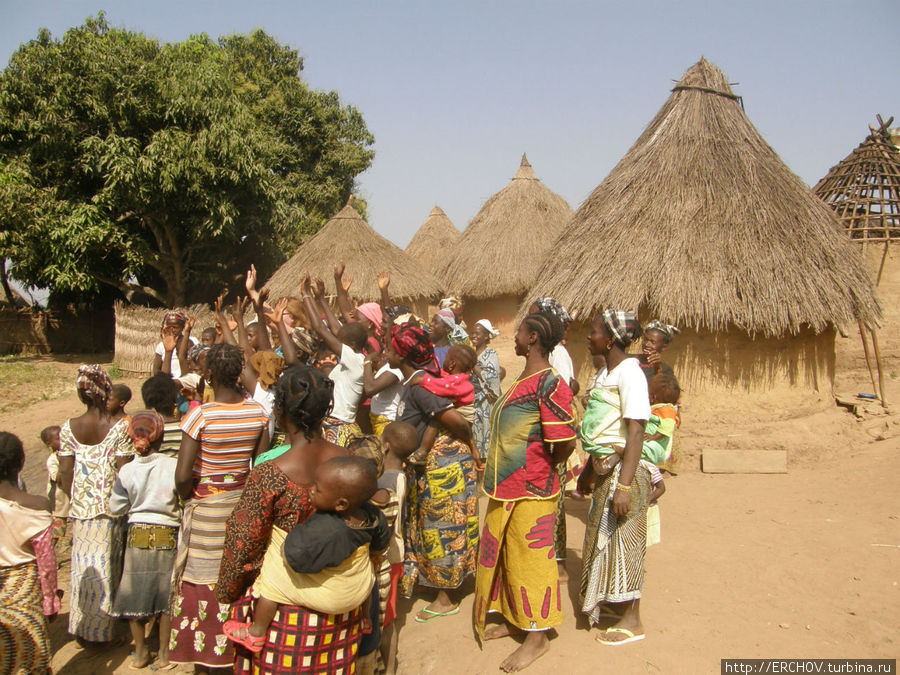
column 616, row 532
column 27, row 568
column 219, row 441
column 276, row 499
column 532, row 430
column 441, row 534
column 486, row 382
column 92, row 449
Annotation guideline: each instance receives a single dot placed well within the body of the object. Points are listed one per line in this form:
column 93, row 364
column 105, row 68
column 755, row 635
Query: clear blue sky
column 454, row 92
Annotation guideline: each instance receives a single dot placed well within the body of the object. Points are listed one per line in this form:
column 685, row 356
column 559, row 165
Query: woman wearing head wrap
column 486, row 381
column 455, row 305
column 532, row 431
column 616, row 533
column 445, row 333
column 441, row 533
column 145, row 492
column 170, row 338
column 657, row 336
column 92, row 449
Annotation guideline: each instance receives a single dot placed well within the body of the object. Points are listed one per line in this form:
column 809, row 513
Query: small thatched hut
column 504, row 248
column 702, row 225
column 137, row 333
column 437, row 235
column 349, row 238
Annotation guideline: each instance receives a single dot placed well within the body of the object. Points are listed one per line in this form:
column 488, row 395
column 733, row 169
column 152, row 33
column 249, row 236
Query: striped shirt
column 228, row 434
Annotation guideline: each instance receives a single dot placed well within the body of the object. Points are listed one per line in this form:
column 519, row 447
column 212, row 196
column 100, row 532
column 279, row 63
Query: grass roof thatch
column 137, row 333
column 349, row 238
column 703, row 225
column 436, row 236
column 506, row 243
column 864, row 188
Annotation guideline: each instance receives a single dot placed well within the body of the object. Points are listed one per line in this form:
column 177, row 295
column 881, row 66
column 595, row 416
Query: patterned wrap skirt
column 339, row 432
column 24, row 640
column 517, row 574
column 147, row 574
column 197, row 616
column 614, row 548
column 441, row 528
column 301, row 641
column 97, row 550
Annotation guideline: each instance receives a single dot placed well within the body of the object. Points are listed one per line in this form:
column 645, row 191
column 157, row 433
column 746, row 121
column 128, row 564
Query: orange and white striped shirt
column 228, row 433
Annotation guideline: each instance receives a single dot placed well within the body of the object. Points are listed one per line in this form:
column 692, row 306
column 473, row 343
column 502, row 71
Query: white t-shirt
column 629, row 379
column 176, row 366
column 561, row 362
column 267, row 400
column 348, row 384
column 384, row 403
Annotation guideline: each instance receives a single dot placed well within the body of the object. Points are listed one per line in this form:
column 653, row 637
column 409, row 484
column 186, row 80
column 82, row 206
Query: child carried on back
column 325, row 563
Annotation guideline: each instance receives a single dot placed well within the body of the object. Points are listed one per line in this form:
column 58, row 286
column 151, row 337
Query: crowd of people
column 288, row 478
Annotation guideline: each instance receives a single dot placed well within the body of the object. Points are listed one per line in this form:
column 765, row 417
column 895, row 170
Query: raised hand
column 189, row 324
column 250, row 284
column 384, row 280
column 318, row 288
column 238, row 309
column 169, row 341
column 339, row 269
column 306, row 284
column 276, row 314
column 219, row 304
column 346, row 283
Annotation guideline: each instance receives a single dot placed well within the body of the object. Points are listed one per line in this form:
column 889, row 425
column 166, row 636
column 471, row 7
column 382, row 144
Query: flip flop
column 629, row 637
column 251, row 642
column 436, row 615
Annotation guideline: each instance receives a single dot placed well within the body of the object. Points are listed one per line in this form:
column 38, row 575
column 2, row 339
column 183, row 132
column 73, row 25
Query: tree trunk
column 7, row 291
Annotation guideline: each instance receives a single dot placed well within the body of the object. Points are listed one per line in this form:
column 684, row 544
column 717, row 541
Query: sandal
column 232, row 629
column 432, row 615
column 629, row 637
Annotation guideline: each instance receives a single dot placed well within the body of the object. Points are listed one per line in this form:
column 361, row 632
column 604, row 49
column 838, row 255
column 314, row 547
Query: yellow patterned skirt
column 517, row 574
column 24, row 641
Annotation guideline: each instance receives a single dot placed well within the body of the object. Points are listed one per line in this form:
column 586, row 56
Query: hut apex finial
column 350, row 201
column 437, row 211
column 525, row 171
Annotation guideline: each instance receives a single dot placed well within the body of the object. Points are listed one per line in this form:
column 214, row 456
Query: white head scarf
column 486, row 324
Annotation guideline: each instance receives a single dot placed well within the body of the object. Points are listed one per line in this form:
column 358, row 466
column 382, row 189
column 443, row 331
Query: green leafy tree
column 165, row 169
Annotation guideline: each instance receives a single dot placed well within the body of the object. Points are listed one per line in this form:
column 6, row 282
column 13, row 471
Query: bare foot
column 497, row 631
column 139, row 662
column 534, row 647
column 563, row 573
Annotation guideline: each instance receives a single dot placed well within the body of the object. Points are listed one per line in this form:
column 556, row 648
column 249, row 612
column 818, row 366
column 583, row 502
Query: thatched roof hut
column 702, row 225
column 436, row 236
column 349, row 238
column 504, row 246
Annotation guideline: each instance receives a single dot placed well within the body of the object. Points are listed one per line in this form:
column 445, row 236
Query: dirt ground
column 804, row 564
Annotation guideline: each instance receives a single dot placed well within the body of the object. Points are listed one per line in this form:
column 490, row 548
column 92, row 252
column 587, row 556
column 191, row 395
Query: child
column 456, row 385
column 59, row 501
column 399, row 440
column 145, row 491
column 323, row 563
column 208, row 337
column 118, row 399
column 658, row 443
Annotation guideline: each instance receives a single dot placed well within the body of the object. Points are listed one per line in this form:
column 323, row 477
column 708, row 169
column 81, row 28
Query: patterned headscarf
column 196, row 351
column 145, row 427
column 457, row 334
column 174, row 317
column 553, row 306
column 372, row 311
column 413, row 344
column 304, row 341
column 450, row 303
column 94, row 381
column 268, row 366
column 623, row 326
column 668, row 331
column 489, row 327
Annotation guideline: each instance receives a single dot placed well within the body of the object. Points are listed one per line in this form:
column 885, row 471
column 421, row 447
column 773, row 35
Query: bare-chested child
column 326, row 561
column 118, row 399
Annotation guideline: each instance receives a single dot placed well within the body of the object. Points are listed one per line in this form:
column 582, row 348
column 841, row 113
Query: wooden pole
column 884, row 402
column 862, row 334
column 887, row 243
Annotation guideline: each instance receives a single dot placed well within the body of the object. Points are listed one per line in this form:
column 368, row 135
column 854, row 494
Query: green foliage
column 165, row 169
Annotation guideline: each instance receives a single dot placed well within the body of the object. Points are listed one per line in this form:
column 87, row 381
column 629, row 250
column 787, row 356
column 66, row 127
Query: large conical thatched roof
column 703, row 225
column 431, row 243
column 864, row 189
column 349, row 238
column 505, row 245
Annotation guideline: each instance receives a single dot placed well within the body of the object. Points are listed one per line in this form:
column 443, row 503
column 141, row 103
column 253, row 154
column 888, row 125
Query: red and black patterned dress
column 271, row 499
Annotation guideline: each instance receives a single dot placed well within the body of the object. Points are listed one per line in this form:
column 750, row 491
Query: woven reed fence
column 137, row 333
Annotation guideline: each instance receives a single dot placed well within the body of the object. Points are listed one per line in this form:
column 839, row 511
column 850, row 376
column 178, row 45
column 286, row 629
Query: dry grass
column 703, row 225
column 430, row 244
column 349, row 238
column 25, row 380
column 505, row 245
